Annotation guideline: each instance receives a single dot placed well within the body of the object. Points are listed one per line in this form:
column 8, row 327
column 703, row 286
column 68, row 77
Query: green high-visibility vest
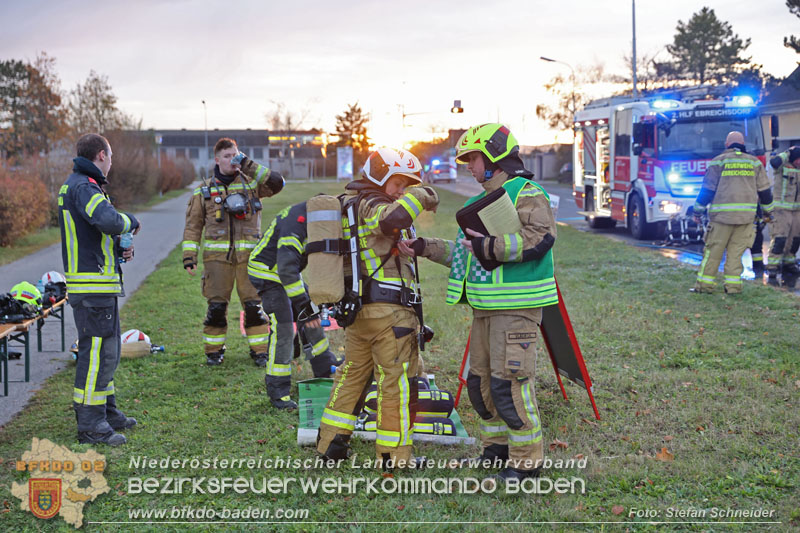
column 509, row 286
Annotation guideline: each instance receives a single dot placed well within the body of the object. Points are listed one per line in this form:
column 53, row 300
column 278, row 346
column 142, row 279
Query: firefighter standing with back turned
column 274, row 270
column 90, row 229
column 382, row 342
column 785, row 229
column 734, row 184
column 229, row 210
column 506, row 279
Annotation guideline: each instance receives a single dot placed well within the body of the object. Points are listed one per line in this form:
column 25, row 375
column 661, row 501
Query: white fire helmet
column 53, row 277
column 134, row 335
column 384, row 163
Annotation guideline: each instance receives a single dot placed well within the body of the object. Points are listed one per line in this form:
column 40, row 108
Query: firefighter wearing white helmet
column 382, row 342
column 506, row 280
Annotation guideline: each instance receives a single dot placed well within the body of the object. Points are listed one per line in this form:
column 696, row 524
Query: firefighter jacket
column 734, row 184
column 89, row 229
column 786, row 185
column 381, row 223
column 280, row 254
column 524, row 278
column 227, row 236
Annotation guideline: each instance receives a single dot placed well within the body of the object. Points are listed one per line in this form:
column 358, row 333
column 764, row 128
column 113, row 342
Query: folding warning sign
column 562, row 345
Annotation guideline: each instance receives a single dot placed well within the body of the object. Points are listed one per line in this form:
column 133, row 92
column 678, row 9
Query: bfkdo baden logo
column 61, row 481
column 44, row 497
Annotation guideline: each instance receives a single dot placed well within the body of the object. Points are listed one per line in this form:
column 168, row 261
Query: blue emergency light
column 435, row 162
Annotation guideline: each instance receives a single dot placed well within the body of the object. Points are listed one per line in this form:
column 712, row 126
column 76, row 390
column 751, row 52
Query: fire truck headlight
column 688, row 190
column 669, row 208
column 673, row 177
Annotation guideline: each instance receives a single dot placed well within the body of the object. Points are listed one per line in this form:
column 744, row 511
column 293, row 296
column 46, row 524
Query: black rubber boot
column 111, row 438
column 510, row 473
column 338, row 449
column 283, row 403
column 128, row 423
column 215, row 358
column 259, row 359
column 492, row 456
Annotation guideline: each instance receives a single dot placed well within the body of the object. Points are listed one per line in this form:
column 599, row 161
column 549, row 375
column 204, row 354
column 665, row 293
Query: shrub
column 24, row 204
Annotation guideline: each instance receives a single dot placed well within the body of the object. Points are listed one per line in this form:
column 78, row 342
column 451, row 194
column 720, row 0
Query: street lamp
column 205, row 124
column 572, row 70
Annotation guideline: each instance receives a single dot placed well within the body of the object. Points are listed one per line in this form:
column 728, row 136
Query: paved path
column 162, row 229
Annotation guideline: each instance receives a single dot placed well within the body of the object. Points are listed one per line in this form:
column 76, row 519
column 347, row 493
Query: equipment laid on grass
column 437, row 420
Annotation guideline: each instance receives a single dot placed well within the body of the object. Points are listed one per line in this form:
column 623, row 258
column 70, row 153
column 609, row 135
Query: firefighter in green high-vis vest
column 506, row 280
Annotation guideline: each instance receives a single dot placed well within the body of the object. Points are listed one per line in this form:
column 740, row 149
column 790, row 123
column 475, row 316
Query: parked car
column 441, row 171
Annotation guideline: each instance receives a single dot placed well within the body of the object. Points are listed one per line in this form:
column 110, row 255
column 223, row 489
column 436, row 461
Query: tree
column 792, row 41
column 31, row 112
column 93, row 107
column 351, row 127
column 706, row 49
column 569, row 95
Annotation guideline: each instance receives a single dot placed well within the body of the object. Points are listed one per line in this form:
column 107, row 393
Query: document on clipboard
column 494, row 214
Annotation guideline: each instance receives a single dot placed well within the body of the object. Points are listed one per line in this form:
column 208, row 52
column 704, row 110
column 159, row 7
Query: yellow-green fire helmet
column 495, row 141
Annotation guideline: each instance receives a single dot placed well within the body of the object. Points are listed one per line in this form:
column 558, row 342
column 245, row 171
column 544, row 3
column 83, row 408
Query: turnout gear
column 90, row 229
column 381, row 341
column 225, row 212
column 505, row 322
column 785, row 228
column 274, row 270
column 734, row 184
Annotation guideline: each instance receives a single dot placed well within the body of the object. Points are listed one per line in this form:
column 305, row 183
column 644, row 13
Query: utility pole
column 633, row 55
column 205, row 124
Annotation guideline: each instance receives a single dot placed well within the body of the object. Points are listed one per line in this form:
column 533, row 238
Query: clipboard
column 494, row 214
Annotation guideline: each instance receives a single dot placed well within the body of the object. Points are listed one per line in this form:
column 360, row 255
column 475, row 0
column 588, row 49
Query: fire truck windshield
column 704, row 138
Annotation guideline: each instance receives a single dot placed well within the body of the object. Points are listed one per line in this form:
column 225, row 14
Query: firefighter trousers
column 278, row 308
column 219, row 278
column 93, row 398
column 784, row 242
column 386, row 348
column 502, row 368
column 729, row 239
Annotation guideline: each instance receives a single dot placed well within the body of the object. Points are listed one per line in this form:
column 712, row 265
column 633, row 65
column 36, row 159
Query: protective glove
column 418, row 246
column 188, row 262
column 767, row 217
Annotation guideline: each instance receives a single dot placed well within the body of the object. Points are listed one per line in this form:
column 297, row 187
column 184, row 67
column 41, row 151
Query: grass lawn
column 46, row 236
column 698, row 396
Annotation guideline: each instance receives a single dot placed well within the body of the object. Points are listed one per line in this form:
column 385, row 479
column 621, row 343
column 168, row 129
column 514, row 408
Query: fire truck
column 640, row 162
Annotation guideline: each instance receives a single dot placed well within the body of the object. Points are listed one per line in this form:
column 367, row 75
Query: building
column 783, row 103
column 295, row 154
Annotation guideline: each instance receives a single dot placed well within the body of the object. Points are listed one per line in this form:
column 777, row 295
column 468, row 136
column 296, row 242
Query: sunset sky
column 163, row 57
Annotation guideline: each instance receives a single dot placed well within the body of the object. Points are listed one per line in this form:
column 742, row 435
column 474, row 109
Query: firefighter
column 90, row 229
column 274, row 270
column 228, row 209
column 734, row 184
column 382, row 342
column 506, row 280
column 785, row 229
